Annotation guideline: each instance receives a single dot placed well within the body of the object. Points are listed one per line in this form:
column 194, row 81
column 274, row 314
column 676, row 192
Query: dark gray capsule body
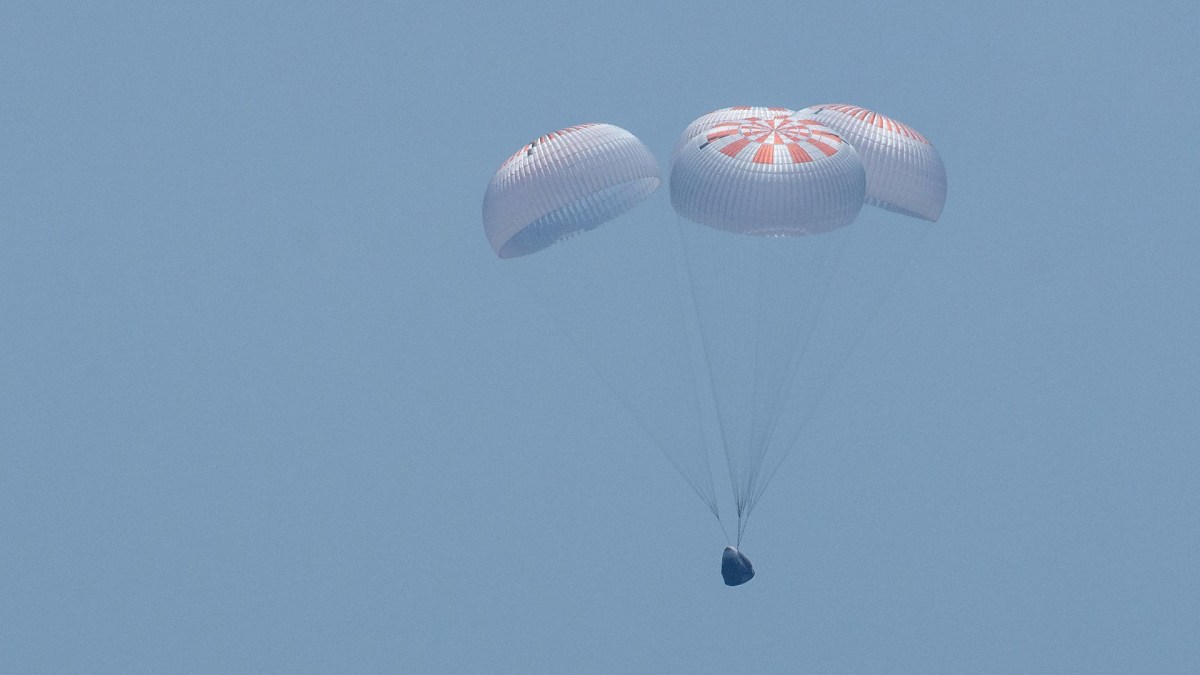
column 735, row 567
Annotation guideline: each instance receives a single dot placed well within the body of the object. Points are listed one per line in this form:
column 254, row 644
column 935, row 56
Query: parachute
column 778, row 176
column 904, row 171
column 568, row 181
column 778, row 272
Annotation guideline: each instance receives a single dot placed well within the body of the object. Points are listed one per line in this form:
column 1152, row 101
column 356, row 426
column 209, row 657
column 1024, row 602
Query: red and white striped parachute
column 781, row 175
column 904, row 171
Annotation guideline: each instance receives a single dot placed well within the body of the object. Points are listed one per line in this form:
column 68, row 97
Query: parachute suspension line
column 766, row 404
column 760, row 329
column 709, row 499
column 814, row 272
column 793, row 369
column 742, row 524
column 695, row 389
column 845, row 358
column 705, row 348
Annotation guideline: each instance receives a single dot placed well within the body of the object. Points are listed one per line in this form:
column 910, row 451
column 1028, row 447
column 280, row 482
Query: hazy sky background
column 269, row 403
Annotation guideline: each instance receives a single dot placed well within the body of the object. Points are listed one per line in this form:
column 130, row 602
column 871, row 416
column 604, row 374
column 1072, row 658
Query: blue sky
column 269, row 403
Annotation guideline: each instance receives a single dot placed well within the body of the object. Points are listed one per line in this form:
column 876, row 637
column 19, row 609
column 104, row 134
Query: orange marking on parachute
column 720, row 133
column 765, row 154
column 735, row 147
column 829, row 150
column 799, row 156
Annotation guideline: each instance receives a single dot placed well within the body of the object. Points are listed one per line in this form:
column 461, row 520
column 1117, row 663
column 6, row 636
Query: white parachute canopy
column 563, row 183
column 774, row 176
column 904, row 171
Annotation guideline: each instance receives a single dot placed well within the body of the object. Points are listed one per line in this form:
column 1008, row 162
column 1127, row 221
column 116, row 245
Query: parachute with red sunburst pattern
column 782, row 175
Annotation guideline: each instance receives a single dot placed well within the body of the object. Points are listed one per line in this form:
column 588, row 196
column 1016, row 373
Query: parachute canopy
column 904, row 171
column 782, row 175
column 563, row 183
column 735, row 567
